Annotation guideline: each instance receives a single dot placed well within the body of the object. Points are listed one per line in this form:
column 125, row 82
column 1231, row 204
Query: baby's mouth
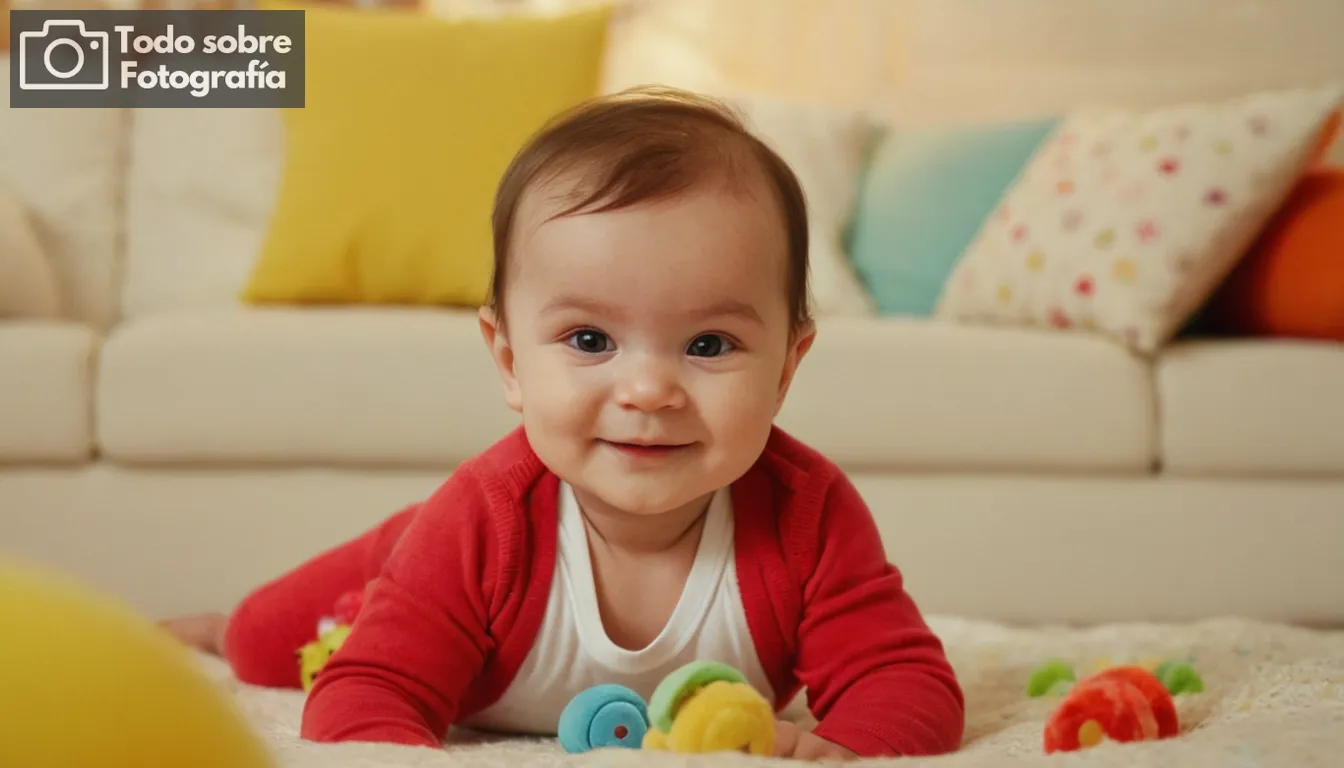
column 646, row 449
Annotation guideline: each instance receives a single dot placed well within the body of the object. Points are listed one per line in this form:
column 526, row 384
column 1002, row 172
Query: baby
column 648, row 312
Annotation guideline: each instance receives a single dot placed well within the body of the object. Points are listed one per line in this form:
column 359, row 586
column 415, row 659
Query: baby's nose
column 650, row 384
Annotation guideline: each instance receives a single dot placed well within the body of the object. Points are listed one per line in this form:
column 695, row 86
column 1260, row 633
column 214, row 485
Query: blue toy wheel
column 603, row 716
column 618, row 724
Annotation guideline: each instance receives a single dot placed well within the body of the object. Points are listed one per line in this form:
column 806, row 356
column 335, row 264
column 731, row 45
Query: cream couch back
column 159, row 210
column 916, row 61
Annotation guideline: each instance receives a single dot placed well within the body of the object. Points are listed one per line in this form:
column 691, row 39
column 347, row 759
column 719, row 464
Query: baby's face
column 649, row 348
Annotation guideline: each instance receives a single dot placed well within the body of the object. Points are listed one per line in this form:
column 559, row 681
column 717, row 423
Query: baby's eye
column 709, row 345
column 590, row 342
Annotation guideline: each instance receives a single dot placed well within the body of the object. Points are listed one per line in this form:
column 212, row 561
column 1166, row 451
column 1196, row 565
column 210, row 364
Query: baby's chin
column 643, row 497
column 639, row 486
column 648, row 503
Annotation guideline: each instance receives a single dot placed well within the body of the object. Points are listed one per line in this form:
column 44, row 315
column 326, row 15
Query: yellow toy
column 314, row 655
column 709, row 707
column 331, row 634
column 87, row 682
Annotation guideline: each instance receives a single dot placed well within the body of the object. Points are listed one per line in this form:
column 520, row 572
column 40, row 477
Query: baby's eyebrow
column 730, row 308
column 723, row 308
column 564, row 303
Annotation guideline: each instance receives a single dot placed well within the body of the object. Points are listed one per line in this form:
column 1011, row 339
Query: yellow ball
column 87, row 683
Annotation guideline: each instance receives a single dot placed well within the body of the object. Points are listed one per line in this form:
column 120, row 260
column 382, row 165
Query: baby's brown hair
column 642, row 145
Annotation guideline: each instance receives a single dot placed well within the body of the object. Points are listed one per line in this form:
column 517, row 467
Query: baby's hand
column 801, row 744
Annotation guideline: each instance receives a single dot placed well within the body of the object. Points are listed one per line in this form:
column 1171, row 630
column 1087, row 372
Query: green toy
column 1179, row 677
column 676, row 687
column 1053, row 678
column 1056, row 678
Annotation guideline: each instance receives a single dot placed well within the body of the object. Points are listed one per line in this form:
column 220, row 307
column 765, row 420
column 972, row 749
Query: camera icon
column 64, row 56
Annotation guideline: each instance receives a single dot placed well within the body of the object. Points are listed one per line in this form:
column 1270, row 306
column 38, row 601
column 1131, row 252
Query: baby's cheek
column 543, row 377
column 556, row 427
column 740, row 414
column 561, row 404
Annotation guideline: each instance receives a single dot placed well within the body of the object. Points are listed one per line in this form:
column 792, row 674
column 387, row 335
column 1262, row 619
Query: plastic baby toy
column 1120, row 704
column 331, row 634
column 313, row 656
column 1123, row 704
column 702, row 707
column 709, row 707
column 1056, row 678
column 603, row 716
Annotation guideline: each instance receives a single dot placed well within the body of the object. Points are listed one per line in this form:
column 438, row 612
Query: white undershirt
column 572, row 651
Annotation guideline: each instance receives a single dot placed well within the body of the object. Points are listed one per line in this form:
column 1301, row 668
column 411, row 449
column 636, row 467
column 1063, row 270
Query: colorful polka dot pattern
column 1125, row 222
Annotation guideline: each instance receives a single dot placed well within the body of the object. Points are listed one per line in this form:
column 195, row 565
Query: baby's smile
column 648, row 450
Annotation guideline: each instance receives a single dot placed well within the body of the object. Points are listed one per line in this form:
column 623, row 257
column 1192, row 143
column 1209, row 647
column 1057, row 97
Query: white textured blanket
column 1274, row 697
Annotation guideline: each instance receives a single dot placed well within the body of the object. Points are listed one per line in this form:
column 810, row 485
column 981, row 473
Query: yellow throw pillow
column 390, row 169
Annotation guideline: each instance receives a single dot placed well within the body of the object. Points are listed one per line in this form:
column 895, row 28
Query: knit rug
column 1274, row 696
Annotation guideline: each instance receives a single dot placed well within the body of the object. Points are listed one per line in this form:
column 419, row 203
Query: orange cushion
column 1291, row 281
column 1327, row 141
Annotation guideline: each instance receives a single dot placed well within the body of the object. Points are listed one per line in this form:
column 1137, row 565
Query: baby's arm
column 421, row 637
column 877, row 678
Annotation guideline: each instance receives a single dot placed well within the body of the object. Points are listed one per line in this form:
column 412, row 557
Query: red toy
column 1120, row 703
column 348, row 605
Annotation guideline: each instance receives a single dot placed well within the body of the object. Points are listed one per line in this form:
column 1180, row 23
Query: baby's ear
column 502, row 353
column 799, row 344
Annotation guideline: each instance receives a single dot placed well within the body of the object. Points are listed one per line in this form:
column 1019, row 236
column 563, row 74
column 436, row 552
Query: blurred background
column 230, row 338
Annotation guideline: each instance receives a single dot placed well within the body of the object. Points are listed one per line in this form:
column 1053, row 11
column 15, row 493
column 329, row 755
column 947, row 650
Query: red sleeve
column 421, row 638
column 272, row 622
column 878, row 680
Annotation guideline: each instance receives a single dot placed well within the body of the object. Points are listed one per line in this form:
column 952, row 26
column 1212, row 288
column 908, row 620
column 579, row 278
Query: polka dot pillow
column 1124, row 222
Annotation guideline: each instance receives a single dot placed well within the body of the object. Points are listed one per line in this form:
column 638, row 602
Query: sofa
column 177, row 448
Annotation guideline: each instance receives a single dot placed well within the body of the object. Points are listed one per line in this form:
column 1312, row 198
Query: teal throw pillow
column 923, row 199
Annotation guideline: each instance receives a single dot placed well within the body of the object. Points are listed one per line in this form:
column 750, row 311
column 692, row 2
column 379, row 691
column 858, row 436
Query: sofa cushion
column 66, row 166
column 827, row 149
column 1291, row 282
column 1247, row 407
column 29, row 287
column 386, row 194
column 328, row 386
column 1125, row 221
column 200, row 191
column 923, row 198
column 45, row 401
column 907, row 394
